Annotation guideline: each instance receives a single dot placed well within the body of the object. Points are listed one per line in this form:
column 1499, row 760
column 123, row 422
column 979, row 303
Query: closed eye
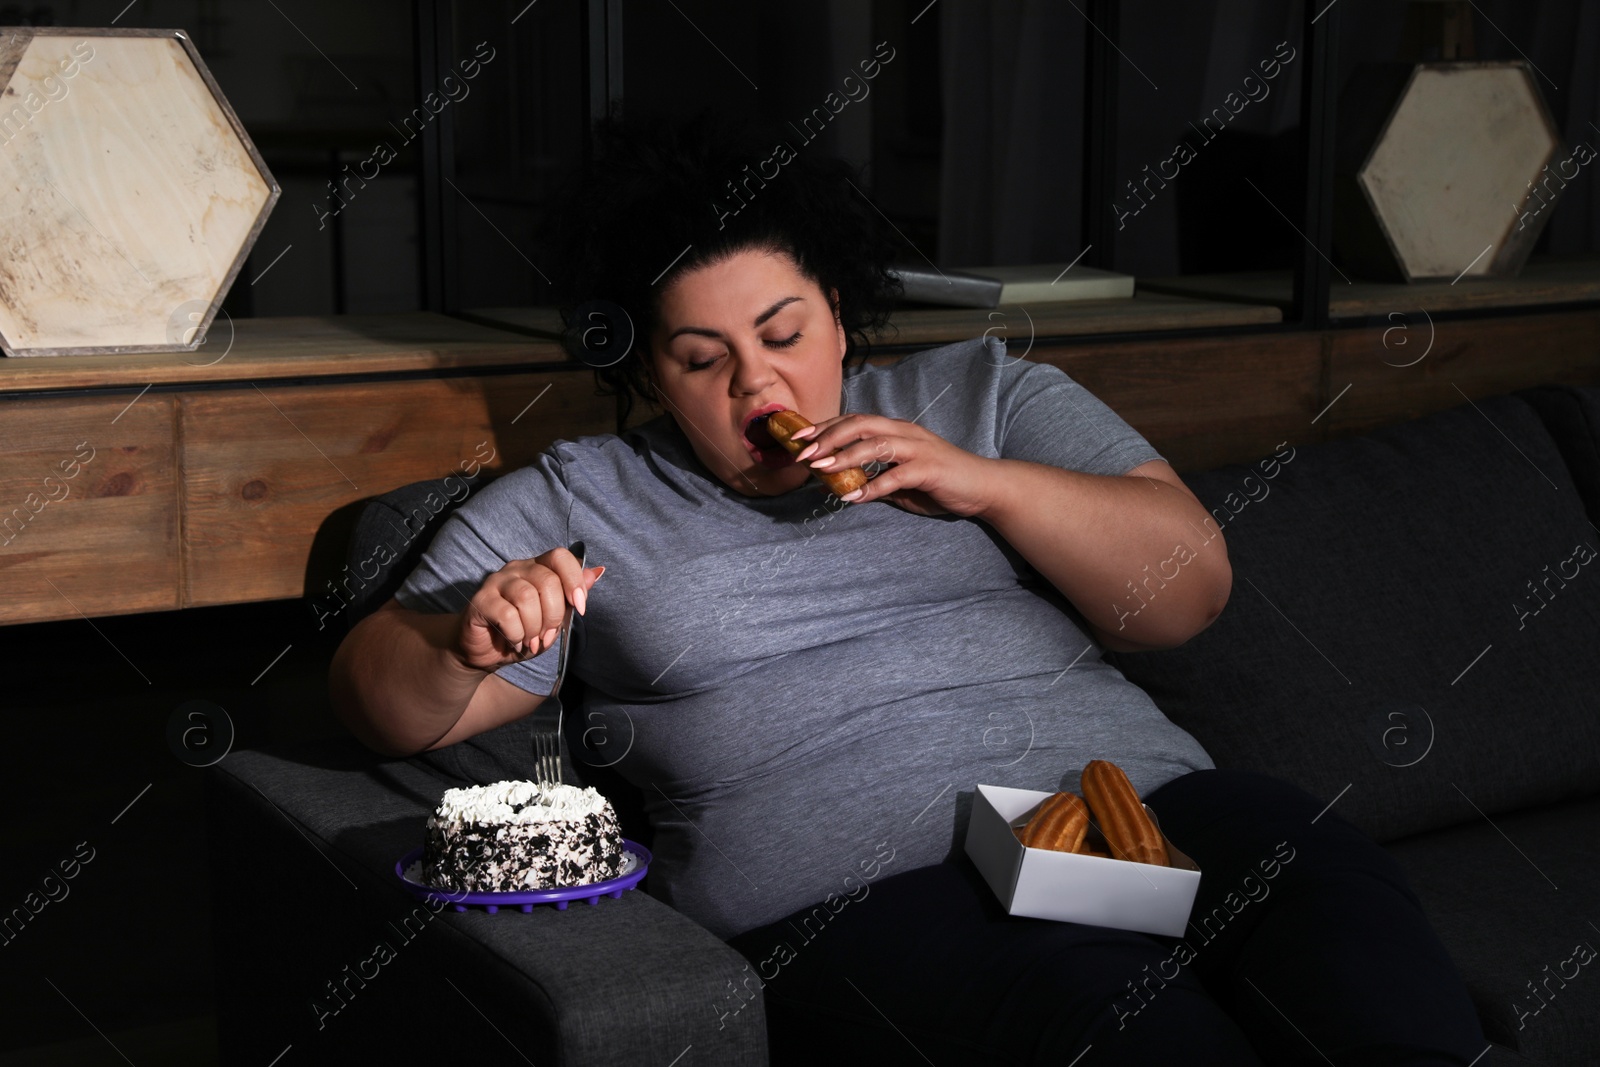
column 786, row 343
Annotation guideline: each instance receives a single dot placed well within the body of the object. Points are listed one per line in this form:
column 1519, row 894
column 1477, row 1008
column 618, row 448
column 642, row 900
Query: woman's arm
column 1138, row 554
column 406, row 681
column 398, row 686
column 1131, row 552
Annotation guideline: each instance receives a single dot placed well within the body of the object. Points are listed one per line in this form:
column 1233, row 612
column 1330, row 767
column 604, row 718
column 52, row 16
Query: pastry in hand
column 1125, row 824
column 783, row 425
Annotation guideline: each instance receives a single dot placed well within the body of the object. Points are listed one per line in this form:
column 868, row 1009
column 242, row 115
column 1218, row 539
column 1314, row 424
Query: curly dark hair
column 662, row 198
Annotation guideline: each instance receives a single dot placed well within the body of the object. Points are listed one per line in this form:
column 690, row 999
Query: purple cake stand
column 637, row 854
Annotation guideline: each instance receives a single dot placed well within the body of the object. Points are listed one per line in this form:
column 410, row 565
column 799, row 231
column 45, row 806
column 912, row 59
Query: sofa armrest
column 329, row 954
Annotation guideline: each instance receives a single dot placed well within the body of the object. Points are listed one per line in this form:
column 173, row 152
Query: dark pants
column 1305, row 946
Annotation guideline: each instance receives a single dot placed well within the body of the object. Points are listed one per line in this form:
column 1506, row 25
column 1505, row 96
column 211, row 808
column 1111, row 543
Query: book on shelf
column 1028, row 283
column 1034, row 283
column 950, row 288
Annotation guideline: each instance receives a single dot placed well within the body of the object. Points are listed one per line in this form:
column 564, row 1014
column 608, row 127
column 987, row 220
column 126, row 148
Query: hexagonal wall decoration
column 129, row 191
column 1441, row 170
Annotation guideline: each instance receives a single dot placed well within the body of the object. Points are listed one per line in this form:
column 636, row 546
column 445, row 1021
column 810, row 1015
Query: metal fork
column 547, row 741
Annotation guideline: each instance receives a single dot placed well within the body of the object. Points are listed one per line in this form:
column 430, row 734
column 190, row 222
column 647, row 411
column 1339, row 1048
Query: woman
column 808, row 688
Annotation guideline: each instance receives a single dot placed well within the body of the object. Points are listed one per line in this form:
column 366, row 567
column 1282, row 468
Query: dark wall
column 972, row 135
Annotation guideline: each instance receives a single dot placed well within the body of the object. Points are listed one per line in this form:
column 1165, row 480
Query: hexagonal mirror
column 1441, row 170
column 130, row 192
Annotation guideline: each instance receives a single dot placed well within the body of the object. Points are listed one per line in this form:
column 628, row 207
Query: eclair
column 783, row 425
column 1124, row 823
column 1060, row 824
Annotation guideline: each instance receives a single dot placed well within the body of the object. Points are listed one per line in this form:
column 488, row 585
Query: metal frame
column 438, row 223
column 437, row 204
column 1318, row 123
column 603, row 69
column 1100, row 133
column 603, row 61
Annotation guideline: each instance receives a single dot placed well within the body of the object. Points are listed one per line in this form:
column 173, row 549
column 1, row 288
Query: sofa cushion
column 1514, row 902
column 1572, row 417
column 390, row 534
column 626, row 978
column 1383, row 644
column 388, row 539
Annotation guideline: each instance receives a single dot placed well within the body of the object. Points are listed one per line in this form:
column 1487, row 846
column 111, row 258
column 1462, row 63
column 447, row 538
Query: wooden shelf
column 217, row 491
column 324, row 346
column 937, row 326
column 1548, row 280
column 1068, row 318
column 276, row 348
column 542, row 320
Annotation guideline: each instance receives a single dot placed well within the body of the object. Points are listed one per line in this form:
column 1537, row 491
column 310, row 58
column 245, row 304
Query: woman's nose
column 752, row 372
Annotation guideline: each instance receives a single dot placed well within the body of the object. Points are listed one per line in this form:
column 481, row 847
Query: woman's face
column 743, row 337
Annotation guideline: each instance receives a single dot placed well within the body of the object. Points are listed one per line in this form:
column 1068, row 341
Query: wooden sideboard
column 232, row 474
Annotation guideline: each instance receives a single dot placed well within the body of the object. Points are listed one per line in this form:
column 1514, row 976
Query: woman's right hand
column 518, row 610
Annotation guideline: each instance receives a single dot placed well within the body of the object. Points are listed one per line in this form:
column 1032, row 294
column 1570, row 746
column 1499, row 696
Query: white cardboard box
column 1045, row 884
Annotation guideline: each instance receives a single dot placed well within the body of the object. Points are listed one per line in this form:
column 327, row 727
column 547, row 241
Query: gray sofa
column 1411, row 635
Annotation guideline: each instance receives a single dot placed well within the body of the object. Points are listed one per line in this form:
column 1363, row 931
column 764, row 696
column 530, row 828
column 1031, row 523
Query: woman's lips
column 768, row 452
column 774, row 458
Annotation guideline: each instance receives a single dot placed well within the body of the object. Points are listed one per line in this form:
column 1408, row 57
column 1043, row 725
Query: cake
column 516, row 836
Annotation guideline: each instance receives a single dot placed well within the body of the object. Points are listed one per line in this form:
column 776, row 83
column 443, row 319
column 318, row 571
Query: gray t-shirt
column 804, row 688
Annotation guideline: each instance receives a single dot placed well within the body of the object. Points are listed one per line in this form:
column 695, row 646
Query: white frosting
column 517, row 802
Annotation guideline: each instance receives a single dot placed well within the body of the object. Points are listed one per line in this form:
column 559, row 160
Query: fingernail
column 852, row 496
column 601, row 571
column 808, row 450
column 803, row 433
column 549, row 637
column 579, row 600
column 825, row 461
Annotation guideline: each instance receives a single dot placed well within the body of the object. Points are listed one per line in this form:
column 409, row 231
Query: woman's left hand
column 923, row 473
